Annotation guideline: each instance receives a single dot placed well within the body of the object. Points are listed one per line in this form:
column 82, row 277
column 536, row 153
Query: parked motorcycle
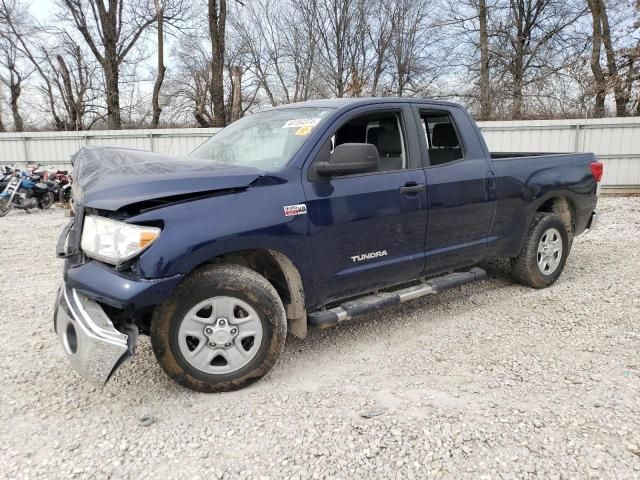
column 5, row 175
column 64, row 181
column 26, row 192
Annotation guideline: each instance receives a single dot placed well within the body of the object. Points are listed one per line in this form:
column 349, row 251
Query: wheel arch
column 564, row 208
column 283, row 274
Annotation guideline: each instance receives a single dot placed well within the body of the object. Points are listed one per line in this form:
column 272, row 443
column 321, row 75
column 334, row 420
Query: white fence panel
column 56, row 148
column 616, row 141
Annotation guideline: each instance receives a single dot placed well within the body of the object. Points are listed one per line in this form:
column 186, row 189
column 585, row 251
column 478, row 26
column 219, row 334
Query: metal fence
column 56, row 148
column 616, row 141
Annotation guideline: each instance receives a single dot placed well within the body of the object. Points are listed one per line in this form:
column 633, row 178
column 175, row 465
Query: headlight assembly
column 115, row 242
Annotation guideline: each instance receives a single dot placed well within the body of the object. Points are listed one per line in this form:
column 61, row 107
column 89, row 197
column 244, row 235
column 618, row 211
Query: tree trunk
column 111, row 65
column 377, row 73
column 485, row 95
column 114, row 121
column 111, row 77
column 518, row 85
column 2, row 127
column 157, row 110
column 596, row 48
column 18, row 123
column 68, row 88
column 614, row 78
column 236, row 99
column 15, row 90
column 517, row 62
column 217, row 27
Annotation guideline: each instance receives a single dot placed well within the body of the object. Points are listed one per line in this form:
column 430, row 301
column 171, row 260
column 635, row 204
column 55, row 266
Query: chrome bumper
column 92, row 344
column 593, row 222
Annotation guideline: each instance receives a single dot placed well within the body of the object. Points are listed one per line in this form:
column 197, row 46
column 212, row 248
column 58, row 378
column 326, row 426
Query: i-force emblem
column 292, row 210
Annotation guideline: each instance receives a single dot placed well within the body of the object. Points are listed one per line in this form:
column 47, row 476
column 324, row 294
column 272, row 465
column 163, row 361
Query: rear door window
column 441, row 137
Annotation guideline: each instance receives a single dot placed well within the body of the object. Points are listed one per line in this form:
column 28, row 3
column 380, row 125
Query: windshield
column 266, row 140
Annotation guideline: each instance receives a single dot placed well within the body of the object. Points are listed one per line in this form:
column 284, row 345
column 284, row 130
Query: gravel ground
column 492, row 380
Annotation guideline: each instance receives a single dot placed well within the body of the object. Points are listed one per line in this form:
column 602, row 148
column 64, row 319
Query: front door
column 368, row 230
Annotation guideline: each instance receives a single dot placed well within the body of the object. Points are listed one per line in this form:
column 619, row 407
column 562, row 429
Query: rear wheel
column 544, row 253
column 47, row 200
column 222, row 329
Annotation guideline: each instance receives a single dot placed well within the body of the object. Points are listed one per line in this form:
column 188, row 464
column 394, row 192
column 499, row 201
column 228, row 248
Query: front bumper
column 593, row 222
column 92, row 344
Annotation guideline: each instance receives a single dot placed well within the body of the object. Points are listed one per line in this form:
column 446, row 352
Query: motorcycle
column 25, row 192
column 5, row 175
column 64, row 181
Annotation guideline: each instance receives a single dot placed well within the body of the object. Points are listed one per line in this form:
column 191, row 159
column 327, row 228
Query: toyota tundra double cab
column 305, row 215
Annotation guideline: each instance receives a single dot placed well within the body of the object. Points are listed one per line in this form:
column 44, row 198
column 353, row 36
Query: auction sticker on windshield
column 303, row 131
column 302, row 122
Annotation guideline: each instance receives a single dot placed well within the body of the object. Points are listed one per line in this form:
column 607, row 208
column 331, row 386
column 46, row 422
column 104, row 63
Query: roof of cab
column 340, row 103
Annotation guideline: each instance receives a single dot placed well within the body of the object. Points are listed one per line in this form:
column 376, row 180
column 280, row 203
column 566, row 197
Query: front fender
column 198, row 231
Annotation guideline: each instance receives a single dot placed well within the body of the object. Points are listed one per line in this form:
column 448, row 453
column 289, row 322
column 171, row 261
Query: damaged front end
column 90, row 341
column 106, row 298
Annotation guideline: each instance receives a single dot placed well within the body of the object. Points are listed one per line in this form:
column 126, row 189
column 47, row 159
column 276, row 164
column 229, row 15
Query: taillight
column 596, row 170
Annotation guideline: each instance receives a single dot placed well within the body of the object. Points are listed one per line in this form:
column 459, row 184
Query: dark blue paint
column 118, row 290
column 474, row 208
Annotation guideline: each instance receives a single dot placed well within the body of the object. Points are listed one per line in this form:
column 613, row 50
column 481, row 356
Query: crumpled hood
column 110, row 178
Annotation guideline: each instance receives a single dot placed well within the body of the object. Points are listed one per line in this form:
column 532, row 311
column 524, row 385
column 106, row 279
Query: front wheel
column 5, row 206
column 222, row 329
column 544, row 253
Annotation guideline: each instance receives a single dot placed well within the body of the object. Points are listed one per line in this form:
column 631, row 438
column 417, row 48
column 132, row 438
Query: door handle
column 413, row 187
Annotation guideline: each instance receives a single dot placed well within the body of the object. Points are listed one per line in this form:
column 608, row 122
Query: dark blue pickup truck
column 305, row 215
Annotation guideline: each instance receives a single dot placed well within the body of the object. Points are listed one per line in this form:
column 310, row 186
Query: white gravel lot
column 492, row 380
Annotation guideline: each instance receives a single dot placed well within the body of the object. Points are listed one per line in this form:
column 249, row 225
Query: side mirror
column 350, row 158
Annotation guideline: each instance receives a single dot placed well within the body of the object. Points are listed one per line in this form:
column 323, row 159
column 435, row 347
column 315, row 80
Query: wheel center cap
column 221, row 336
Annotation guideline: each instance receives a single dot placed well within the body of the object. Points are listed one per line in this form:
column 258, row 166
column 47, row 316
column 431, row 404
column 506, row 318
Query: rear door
column 368, row 230
column 461, row 190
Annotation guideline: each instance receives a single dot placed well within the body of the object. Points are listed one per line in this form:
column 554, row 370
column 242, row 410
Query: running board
column 373, row 303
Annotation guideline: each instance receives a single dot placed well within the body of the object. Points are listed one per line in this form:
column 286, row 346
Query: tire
column 47, row 200
column 530, row 267
column 221, row 289
column 5, row 206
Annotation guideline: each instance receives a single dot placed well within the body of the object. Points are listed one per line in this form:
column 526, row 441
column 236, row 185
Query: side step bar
column 373, row 303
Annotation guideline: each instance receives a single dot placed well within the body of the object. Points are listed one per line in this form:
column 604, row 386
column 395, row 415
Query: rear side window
column 441, row 137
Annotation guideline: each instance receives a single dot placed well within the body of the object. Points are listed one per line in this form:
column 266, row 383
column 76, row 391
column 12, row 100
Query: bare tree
column 171, row 15
column 191, row 81
column 217, row 32
column 532, row 45
column 73, row 79
column 2, row 127
column 379, row 32
column 12, row 79
column 341, row 29
column 20, row 26
column 408, row 41
column 612, row 67
column 157, row 110
column 111, row 28
column 600, row 82
column 485, row 92
column 10, row 56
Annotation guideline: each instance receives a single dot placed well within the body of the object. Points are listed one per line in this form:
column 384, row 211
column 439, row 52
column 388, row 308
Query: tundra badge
column 369, row 256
